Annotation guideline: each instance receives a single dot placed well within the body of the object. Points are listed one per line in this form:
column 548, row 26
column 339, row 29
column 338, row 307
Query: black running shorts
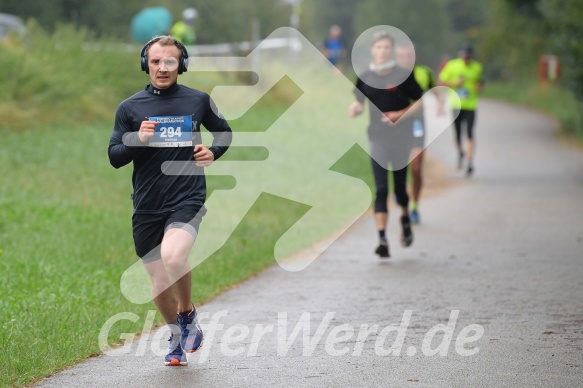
column 149, row 229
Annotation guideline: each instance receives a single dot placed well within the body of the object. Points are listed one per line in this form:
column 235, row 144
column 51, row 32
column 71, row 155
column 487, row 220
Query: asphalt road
column 490, row 294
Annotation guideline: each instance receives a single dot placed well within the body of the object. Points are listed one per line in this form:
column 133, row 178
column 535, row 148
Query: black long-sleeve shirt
column 154, row 191
column 390, row 92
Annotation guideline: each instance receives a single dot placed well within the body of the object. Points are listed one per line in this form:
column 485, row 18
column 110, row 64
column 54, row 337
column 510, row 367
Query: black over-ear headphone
column 182, row 64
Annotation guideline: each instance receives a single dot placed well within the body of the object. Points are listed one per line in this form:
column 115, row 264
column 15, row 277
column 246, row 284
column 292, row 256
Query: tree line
column 509, row 35
column 520, row 31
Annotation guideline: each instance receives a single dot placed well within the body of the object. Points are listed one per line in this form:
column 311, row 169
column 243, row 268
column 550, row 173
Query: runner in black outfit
column 390, row 141
column 154, row 128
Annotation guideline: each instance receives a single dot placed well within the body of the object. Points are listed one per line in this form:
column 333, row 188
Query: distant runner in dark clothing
column 389, row 90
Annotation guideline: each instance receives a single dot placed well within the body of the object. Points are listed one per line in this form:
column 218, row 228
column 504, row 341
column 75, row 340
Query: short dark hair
column 467, row 49
column 383, row 34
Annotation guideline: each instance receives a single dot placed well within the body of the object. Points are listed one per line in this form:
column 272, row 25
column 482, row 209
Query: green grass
column 63, row 243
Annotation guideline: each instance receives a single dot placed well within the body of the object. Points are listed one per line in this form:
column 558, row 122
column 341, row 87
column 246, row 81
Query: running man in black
column 389, row 90
column 158, row 130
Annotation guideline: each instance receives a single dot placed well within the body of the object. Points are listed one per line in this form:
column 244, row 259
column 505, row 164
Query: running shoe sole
column 176, row 362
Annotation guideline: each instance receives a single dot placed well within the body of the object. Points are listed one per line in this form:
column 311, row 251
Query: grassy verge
column 551, row 99
column 63, row 79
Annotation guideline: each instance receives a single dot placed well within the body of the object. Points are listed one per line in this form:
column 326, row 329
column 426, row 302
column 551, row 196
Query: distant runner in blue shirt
column 334, row 47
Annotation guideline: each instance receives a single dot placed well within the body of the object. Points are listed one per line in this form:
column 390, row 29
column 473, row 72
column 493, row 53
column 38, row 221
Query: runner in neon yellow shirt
column 465, row 76
column 183, row 30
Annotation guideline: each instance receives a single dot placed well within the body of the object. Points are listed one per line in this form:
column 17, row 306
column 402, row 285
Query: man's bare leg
column 175, row 249
column 162, row 290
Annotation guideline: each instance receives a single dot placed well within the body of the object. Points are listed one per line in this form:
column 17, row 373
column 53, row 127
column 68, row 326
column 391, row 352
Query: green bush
column 64, row 79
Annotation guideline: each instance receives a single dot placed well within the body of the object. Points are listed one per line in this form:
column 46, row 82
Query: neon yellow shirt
column 426, row 80
column 184, row 33
column 456, row 70
column 424, row 77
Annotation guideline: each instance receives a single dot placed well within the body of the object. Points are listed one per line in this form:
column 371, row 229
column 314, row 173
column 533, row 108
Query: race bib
column 172, row 131
column 418, row 128
column 463, row 93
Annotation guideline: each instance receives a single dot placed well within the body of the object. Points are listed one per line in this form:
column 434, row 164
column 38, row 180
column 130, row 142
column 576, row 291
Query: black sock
column 382, row 237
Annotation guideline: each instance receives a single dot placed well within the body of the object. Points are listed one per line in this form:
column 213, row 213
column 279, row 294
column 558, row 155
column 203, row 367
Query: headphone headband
column 182, row 64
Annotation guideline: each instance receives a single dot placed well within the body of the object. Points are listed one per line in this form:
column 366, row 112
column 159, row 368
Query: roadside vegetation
column 551, row 99
column 62, row 79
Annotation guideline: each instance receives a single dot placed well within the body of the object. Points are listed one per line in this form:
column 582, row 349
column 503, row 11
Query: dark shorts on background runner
column 149, row 229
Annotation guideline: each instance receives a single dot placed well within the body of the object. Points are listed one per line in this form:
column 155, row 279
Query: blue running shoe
column 191, row 337
column 414, row 217
column 176, row 356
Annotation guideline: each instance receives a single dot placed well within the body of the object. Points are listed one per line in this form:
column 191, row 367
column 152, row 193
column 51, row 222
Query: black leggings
column 468, row 116
column 381, row 178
